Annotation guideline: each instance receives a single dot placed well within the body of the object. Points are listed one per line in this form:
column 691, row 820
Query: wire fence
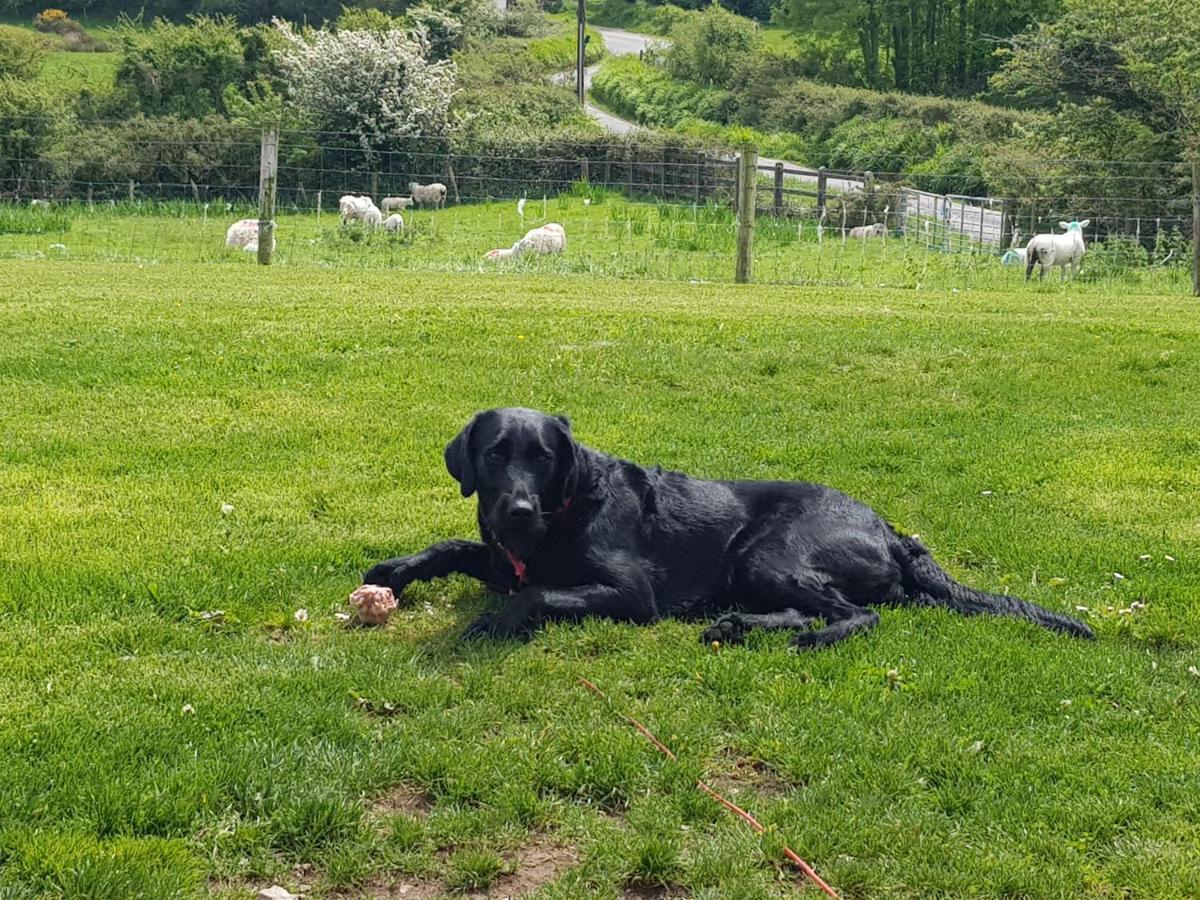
column 629, row 209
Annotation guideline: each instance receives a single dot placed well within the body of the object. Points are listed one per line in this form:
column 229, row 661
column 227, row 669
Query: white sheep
column 372, row 218
column 1013, row 257
column 353, row 207
column 549, row 238
column 1063, row 250
column 387, row 204
column 394, row 223
column 869, row 231
column 39, row 204
column 428, row 193
column 243, row 235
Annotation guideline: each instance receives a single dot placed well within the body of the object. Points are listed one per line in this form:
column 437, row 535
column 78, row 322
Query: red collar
column 518, row 564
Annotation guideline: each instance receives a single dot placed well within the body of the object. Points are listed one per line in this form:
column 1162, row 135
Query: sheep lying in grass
column 1013, row 257
column 243, row 235
column 877, row 230
column 394, row 223
column 428, row 193
column 1063, row 250
column 387, row 204
column 549, row 238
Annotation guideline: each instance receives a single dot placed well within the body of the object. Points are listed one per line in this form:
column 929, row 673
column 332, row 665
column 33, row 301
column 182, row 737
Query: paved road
column 959, row 216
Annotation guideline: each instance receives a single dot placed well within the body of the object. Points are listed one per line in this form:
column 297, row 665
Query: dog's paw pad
column 726, row 630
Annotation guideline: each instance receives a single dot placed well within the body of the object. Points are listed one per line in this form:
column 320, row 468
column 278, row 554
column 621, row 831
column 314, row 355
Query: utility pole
column 581, row 52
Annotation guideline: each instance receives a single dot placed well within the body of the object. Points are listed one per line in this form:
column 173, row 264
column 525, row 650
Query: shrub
column 369, row 86
column 444, row 32
column 706, row 48
column 21, row 53
column 553, row 54
column 183, row 70
column 54, row 21
column 28, row 112
column 640, row 91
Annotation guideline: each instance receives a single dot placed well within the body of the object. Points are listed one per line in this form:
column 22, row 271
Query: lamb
column 372, row 218
column 1063, row 250
column 549, row 238
column 353, row 207
column 394, row 223
column 1013, row 257
column 869, row 231
column 243, row 235
column 39, row 204
column 428, row 193
column 387, row 204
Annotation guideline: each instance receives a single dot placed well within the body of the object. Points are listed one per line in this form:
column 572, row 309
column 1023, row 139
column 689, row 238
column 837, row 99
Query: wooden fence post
column 747, row 170
column 1006, row 224
column 1196, row 228
column 699, row 174
column 583, row 170
column 267, row 176
column 778, row 189
column 822, row 182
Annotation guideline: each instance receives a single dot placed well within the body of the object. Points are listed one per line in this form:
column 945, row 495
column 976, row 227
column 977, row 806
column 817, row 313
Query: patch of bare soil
column 403, row 799
column 737, row 774
column 538, row 863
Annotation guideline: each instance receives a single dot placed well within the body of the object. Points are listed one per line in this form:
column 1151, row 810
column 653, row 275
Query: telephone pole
column 580, row 52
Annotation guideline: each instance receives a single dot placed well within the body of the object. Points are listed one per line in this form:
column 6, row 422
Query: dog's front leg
column 525, row 610
column 469, row 558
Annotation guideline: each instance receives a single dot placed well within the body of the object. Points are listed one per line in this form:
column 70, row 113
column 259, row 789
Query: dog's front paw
column 391, row 573
column 726, row 630
column 496, row 626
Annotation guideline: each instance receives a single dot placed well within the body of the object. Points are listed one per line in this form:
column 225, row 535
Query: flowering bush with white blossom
column 375, row 86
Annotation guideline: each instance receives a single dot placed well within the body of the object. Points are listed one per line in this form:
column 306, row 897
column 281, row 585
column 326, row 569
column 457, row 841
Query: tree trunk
column 869, row 38
column 962, row 43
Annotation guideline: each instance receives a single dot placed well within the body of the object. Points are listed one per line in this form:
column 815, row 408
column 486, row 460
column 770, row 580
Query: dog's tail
column 927, row 584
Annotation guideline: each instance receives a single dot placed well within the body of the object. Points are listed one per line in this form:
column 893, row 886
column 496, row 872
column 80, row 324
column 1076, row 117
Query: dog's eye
column 494, row 455
column 541, row 456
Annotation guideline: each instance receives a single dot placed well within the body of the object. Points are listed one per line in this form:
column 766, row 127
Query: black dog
column 570, row 532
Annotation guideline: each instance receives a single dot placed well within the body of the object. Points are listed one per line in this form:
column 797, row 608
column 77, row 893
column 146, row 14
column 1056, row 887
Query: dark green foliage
column 928, row 46
column 183, row 70
column 708, row 48
column 28, row 115
column 649, row 95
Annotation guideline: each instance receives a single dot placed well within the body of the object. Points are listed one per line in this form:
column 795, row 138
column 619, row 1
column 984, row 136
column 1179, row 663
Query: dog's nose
column 520, row 510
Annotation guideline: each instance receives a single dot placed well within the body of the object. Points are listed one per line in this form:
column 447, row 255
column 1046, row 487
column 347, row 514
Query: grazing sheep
column 1013, row 257
column 243, row 235
column 390, row 203
column 428, row 193
column 869, row 231
column 353, row 207
column 1063, row 250
column 550, row 238
column 372, row 218
column 394, row 223
column 39, row 204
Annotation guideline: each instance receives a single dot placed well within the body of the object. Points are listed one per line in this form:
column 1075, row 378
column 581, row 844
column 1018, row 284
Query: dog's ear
column 571, row 455
column 459, row 460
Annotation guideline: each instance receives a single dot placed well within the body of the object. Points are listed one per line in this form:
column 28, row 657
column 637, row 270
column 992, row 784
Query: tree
column 372, row 87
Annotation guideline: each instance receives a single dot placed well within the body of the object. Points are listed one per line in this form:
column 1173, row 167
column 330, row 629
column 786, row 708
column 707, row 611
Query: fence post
column 778, row 189
column 699, row 174
column 583, row 170
column 1196, row 227
column 1006, row 224
column 747, row 169
column 822, row 180
column 267, row 176
column 737, row 184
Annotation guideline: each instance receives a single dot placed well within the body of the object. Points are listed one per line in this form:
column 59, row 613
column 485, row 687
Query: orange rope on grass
column 732, row 807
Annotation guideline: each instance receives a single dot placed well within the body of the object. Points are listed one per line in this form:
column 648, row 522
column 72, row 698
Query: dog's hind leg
column 731, row 628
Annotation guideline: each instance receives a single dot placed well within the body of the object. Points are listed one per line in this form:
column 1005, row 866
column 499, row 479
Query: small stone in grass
column 275, row 892
column 373, row 604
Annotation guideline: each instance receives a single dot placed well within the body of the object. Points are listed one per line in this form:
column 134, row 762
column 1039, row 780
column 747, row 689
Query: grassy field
column 607, row 235
column 70, row 72
column 192, row 454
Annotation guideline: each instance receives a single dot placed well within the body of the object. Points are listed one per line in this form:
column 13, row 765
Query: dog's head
column 525, row 466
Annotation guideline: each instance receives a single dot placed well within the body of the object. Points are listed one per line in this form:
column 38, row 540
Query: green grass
column 613, row 236
column 1039, row 442
column 73, row 71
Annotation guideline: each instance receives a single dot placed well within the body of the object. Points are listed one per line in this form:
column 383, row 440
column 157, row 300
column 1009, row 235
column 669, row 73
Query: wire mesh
column 629, row 210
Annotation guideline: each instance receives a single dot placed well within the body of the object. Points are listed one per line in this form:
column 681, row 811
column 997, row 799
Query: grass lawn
column 70, row 72
column 1039, row 442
